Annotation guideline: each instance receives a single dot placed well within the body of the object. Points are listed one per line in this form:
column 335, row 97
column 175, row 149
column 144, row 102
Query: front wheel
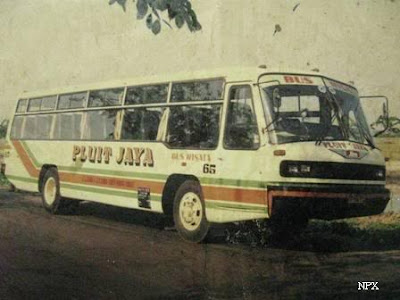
column 189, row 212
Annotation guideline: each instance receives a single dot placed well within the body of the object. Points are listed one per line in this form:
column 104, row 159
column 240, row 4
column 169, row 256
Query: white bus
column 204, row 148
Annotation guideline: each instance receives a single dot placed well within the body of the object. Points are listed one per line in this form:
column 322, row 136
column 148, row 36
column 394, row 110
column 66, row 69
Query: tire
column 51, row 198
column 189, row 212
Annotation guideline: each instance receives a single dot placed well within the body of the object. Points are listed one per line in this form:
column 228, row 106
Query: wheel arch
column 42, row 173
column 171, row 187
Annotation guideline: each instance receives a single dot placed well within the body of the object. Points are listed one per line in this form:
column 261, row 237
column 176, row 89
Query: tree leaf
column 142, row 7
column 120, row 2
column 171, row 13
column 156, row 27
column 160, row 5
column 179, row 21
column 149, row 21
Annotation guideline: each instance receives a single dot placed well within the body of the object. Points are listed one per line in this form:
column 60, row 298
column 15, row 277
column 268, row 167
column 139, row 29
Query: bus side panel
column 19, row 169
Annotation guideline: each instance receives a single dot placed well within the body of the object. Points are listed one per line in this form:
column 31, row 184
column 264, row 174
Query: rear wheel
column 189, row 212
column 51, row 198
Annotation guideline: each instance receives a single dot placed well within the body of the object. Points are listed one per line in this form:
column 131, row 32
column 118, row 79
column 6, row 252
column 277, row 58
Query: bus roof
column 229, row 74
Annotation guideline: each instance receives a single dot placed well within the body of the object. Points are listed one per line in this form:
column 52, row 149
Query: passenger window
column 147, row 94
column 68, row 127
column 194, row 126
column 34, row 104
column 241, row 130
column 71, row 101
column 22, row 104
column 16, row 128
column 197, row 90
column 109, row 97
column 48, row 103
column 44, row 123
column 141, row 124
column 100, row 125
column 38, row 127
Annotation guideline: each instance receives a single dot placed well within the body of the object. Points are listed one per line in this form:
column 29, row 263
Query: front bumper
column 335, row 202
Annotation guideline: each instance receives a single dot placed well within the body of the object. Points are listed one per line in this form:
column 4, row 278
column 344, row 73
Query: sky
column 56, row 43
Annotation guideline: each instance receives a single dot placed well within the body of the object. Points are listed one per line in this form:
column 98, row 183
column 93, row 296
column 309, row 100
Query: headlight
column 380, row 174
column 299, row 169
column 293, row 169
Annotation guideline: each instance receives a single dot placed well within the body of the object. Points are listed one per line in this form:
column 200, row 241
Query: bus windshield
column 314, row 113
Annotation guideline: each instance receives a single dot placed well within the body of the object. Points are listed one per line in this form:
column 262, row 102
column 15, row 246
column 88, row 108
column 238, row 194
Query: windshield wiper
column 276, row 119
column 334, row 106
column 342, row 126
column 364, row 133
column 366, row 137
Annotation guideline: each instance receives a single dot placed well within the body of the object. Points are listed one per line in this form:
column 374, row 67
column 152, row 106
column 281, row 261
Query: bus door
column 239, row 158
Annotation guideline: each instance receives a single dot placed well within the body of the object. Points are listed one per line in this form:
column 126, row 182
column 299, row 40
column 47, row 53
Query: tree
column 178, row 10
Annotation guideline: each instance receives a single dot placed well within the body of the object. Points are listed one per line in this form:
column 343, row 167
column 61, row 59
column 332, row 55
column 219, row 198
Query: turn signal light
column 280, row 152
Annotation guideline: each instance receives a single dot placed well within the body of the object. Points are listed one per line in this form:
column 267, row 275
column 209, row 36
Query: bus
column 203, row 148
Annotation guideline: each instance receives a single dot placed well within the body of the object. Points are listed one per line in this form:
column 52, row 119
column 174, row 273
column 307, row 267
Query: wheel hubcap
column 50, row 191
column 190, row 211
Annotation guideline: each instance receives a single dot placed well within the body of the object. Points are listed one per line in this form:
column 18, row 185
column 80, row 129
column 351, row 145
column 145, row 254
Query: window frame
column 227, row 113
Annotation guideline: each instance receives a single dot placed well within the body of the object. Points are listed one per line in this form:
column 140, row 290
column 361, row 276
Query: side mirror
column 376, row 109
column 276, row 98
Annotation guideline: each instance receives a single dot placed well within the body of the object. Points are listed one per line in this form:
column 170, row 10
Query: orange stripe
column 210, row 192
column 235, row 194
column 25, row 159
column 112, row 182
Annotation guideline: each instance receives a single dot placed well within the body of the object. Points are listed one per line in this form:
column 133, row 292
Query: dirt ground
column 104, row 252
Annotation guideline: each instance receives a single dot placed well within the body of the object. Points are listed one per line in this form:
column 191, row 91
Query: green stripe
column 115, row 173
column 35, row 162
column 236, row 206
column 106, row 191
column 162, row 177
column 23, row 179
column 233, row 182
column 154, row 176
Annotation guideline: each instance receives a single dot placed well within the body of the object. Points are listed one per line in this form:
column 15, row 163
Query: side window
column 147, row 94
column 109, row 97
column 37, row 127
column 22, row 104
column 241, row 130
column 70, row 101
column 29, row 128
column 34, row 104
column 16, row 128
column 48, row 103
column 43, row 127
column 197, row 90
column 194, row 126
column 100, row 125
column 141, row 124
column 68, row 126
column 43, row 103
